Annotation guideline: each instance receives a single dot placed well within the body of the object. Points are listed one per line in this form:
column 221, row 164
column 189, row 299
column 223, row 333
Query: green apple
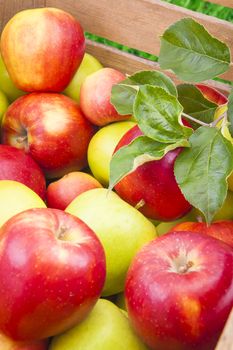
column 105, row 328
column 164, row 227
column 121, row 228
column 102, row 146
column 88, row 66
column 7, row 86
column 3, row 104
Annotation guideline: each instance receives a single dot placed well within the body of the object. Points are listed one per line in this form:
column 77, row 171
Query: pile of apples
column 68, row 246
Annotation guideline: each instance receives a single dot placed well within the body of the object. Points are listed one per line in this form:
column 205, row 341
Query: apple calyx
column 22, row 140
column 183, row 263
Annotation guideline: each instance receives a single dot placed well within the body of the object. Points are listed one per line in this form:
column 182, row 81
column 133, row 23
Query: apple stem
column 21, row 139
column 140, row 204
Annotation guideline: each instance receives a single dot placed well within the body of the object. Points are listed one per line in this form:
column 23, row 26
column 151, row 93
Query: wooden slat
column 8, row 8
column 227, row 3
column 127, row 63
column 139, row 23
column 226, row 339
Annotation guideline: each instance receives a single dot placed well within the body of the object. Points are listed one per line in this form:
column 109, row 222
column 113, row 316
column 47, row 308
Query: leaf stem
column 195, row 120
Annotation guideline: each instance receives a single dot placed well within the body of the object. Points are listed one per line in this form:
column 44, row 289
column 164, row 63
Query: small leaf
column 195, row 104
column 141, row 150
column 159, row 115
column 201, row 171
column 192, row 53
column 124, row 93
column 230, row 112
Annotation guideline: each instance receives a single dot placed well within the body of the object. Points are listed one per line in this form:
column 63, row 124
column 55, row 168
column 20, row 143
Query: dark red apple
column 51, row 128
column 52, row 271
column 154, row 185
column 18, row 166
column 179, row 291
column 222, row 230
column 9, row 344
column 42, row 49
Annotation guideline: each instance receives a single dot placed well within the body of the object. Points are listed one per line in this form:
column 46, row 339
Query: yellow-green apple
column 122, row 230
column 95, row 96
column 106, row 327
column 88, row 66
column 164, row 200
column 51, row 128
column 52, row 271
column 10, row 344
column 3, row 105
column 101, row 148
column 42, row 48
column 15, row 198
column 18, row 166
column 164, row 227
column 60, row 193
column 7, row 85
column 179, row 291
column 222, row 230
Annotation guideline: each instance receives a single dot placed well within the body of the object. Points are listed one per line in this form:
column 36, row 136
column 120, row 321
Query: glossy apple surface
column 101, row 148
column 3, row 105
column 52, row 270
column 122, row 230
column 9, row 344
column 51, row 128
column 106, row 327
column 42, row 49
column 95, row 96
column 18, row 166
column 15, row 198
column 7, row 85
column 88, row 66
column 154, row 185
column 179, row 291
column 62, row 192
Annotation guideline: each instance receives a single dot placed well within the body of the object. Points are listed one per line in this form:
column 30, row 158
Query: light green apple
column 3, row 104
column 88, row 66
column 121, row 228
column 105, row 328
column 102, row 146
column 7, row 85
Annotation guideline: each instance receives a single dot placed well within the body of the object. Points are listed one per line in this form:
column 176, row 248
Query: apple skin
column 106, row 327
column 3, row 105
column 52, row 270
column 9, row 344
column 154, row 182
column 88, row 66
column 18, row 166
column 101, row 148
column 15, row 198
column 58, row 48
column 222, row 230
column 179, row 291
column 51, row 128
column 122, row 230
column 62, row 192
column 95, row 96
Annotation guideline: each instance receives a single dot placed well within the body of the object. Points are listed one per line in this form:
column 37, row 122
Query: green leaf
column 159, row 115
column 192, row 53
column 230, row 112
column 195, row 104
column 124, row 93
column 201, row 171
column 141, row 150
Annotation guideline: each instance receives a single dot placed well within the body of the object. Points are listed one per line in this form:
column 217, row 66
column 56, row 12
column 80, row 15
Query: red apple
column 60, row 193
column 179, row 291
column 154, row 185
column 18, row 166
column 9, row 344
column 51, row 128
column 222, row 230
column 95, row 96
column 42, row 49
column 52, row 271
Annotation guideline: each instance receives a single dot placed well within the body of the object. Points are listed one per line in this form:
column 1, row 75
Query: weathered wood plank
column 127, row 63
column 227, row 3
column 226, row 339
column 8, row 8
column 139, row 23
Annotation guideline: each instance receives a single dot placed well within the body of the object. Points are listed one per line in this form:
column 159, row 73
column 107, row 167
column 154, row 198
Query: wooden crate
column 137, row 24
